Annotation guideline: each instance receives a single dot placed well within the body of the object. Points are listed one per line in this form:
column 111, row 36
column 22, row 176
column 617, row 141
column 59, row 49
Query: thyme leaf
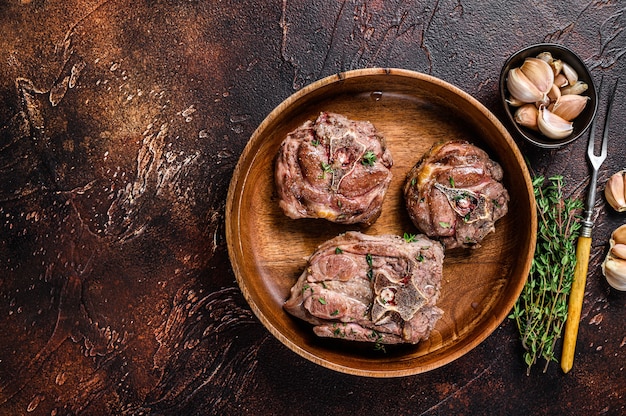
column 369, row 158
column 326, row 168
column 409, row 238
column 378, row 344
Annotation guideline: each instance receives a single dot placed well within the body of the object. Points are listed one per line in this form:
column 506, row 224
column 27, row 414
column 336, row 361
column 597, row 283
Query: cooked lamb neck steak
column 380, row 289
column 454, row 193
column 333, row 168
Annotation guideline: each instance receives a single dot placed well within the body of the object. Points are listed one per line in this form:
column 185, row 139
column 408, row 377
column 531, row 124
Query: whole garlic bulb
column 614, row 265
column 615, row 191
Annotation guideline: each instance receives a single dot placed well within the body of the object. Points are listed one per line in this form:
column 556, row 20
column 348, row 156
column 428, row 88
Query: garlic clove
column 614, row 264
column 557, row 66
column 615, row 190
column 614, row 271
column 569, row 106
column 526, row 116
column 561, row 81
column 545, row 56
column 521, row 87
column 554, row 93
column 553, row 126
column 570, row 73
column 619, row 250
column 577, row 88
column 539, row 73
column 619, row 235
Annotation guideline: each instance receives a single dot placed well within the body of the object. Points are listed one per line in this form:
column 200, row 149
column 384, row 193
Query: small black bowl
column 581, row 123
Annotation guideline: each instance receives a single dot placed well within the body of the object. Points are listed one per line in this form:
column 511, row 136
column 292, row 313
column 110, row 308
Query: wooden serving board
column 268, row 250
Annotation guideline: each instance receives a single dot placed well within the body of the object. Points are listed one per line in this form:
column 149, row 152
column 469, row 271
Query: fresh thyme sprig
column 541, row 310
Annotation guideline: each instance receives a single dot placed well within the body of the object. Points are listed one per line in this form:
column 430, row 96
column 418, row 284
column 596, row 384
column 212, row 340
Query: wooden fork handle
column 574, row 307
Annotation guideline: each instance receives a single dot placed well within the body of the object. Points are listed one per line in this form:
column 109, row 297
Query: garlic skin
column 615, row 191
column 614, row 265
column 553, row 126
column 514, row 102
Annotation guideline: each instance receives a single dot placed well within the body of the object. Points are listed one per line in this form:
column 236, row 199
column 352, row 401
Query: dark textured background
column 120, row 125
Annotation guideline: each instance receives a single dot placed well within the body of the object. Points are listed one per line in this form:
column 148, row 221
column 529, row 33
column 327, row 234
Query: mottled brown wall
column 120, row 125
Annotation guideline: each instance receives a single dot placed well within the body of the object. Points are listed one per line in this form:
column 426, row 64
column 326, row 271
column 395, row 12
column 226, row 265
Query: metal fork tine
column 596, row 160
column 592, row 133
column 605, row 133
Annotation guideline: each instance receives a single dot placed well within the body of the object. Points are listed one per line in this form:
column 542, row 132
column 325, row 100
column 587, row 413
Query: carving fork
column 583, row 246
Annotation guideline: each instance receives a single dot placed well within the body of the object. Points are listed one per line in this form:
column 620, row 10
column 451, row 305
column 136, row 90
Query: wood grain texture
column 120, row 127
column 412, row 111
column 575, row 303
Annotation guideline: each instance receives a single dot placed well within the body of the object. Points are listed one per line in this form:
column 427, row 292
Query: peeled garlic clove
column 569, row 106
column 526, row 116
column 615, row 191
column 570, row 73
column 521, row 88
column 539, row 73
column 553, row 126
column 577, row 88
column 614, row 270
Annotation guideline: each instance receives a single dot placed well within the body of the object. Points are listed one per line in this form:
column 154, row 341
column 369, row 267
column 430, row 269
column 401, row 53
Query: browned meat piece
column 454, row 193
column 380, row 289
column 333, row 168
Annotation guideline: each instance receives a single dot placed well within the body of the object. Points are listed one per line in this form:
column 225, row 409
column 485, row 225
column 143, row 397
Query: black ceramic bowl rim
column 581, row 123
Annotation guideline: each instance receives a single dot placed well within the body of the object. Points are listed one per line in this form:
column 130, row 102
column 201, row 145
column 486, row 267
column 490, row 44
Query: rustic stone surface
column 120, row 124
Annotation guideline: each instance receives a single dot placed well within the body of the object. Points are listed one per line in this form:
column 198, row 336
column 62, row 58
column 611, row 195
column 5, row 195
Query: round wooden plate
column 268, row 250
